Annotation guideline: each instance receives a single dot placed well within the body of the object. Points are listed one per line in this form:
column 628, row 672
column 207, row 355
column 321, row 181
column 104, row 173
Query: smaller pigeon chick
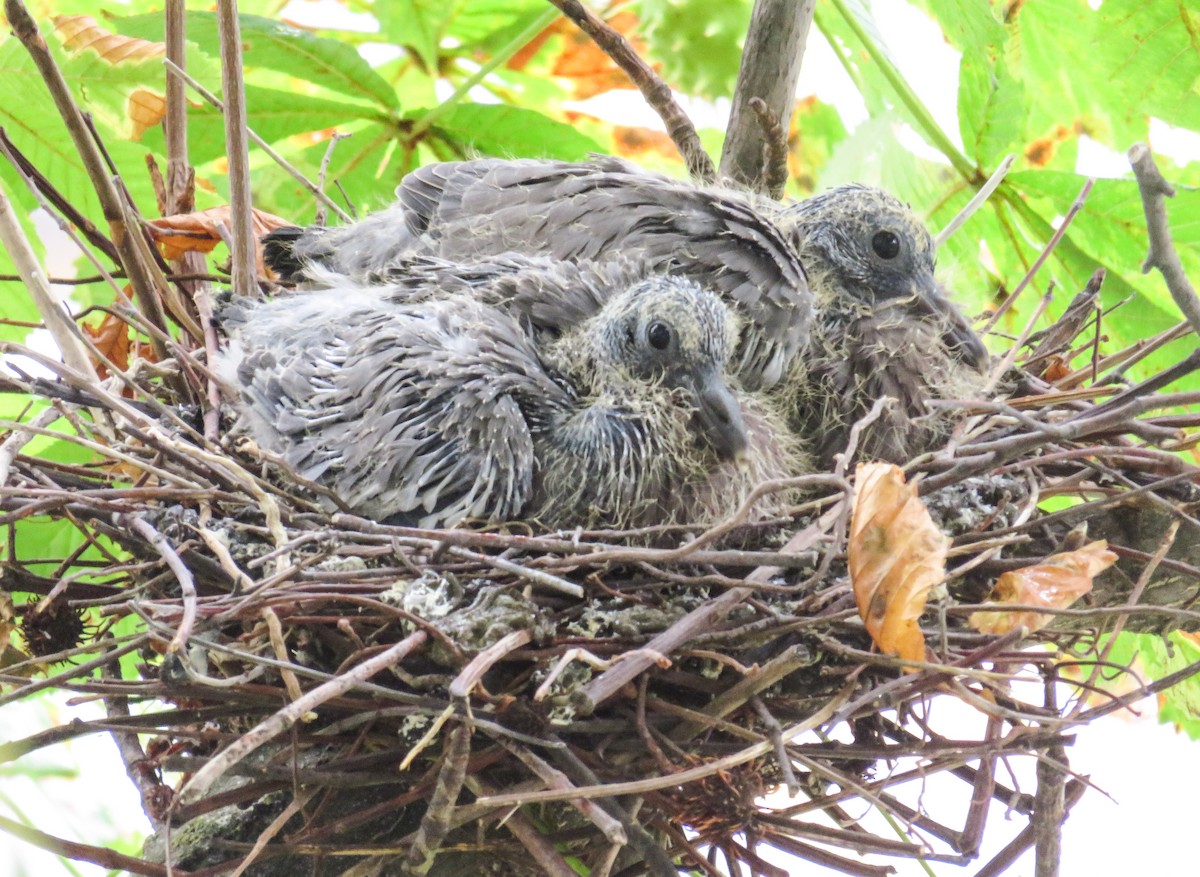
column 884, row 327
column 434, row 411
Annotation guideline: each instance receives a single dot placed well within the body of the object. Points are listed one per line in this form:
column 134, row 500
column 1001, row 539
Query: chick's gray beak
column 720, row 418
column 956, row 332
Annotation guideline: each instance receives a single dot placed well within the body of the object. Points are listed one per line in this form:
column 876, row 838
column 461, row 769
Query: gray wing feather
column 420, row 413
column 590, row 210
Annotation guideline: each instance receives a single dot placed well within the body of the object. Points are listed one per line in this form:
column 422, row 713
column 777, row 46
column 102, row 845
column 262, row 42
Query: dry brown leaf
column 112, row 339
column 82, row 32
column 200, row 232
column 897, row 554
column 1056, row 582
column 117, row 342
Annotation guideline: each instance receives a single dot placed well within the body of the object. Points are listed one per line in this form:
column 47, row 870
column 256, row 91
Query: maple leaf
column 200, row 232
column 896, row 555
column 1056, row 582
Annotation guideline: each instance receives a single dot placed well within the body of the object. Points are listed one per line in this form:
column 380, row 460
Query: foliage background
column 422, row 80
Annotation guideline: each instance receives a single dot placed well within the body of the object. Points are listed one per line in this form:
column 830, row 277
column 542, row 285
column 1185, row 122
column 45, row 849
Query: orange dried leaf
column 201, row 232
column 111, row 338
column 81, row 32
column 145, row 108
column 1055, row 583
column 896, row 554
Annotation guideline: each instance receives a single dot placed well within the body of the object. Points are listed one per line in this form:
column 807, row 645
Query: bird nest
column 288, row 683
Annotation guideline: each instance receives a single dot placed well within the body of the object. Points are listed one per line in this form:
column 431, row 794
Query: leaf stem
column 925, row 121
column 502, row 55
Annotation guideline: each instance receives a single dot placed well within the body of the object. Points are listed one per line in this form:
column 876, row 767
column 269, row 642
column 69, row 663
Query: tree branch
column 1162, row 255
column 656, row 92
column 771, row 59
column 237, row 150
column 123, row 237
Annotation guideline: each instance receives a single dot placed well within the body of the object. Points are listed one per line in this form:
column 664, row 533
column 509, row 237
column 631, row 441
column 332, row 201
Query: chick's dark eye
column 886, row 244
column 659, row 336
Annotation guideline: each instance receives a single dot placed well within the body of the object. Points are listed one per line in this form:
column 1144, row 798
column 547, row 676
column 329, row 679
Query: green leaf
column 1159, row 657
column 699, row 43
column 273, row 114
column 367, row 166
column 417, row 24
column 1053, row 47
column 495, row 129
column 1148, row 54
column 273, row 45
column 490, row 23
column 991, row 109
column 969, row 25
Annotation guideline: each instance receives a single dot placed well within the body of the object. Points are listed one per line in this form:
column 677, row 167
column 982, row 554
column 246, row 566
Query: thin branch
column 123, row 236
column 291, row 169
column 771, row 58
column 656, row 92
column 236, row 149
column 279, row 722
column 62, row 328
column 981, row 197
column 1162, row 255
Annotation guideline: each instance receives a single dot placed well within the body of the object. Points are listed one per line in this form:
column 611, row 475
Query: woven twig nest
column 410, row 688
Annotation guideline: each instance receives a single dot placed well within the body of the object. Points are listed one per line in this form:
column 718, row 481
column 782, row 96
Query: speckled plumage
column 885, row 327
column 882, row 326
column 431, row 410
column 583, row 211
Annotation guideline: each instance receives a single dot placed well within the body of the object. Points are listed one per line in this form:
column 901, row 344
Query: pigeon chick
column 884, row 327
column 582, row 211
column 434, row 411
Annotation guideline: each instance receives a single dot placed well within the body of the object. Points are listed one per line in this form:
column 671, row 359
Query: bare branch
column 237, row 150
column 66, row 334
column 1162, row 253
column 771, row 58
column 123, row 236
column 656, row 92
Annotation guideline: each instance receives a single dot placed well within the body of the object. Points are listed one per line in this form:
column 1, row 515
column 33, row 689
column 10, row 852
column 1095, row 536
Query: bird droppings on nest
column 994, row 501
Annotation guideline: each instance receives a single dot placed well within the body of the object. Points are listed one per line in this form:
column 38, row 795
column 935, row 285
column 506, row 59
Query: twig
column 291, row 169
column 108, row 859
column 337, row 137
column 55, row 198
column 980, row 198
column 19, row 437
column 242, row 247
column 650, row 784
column 774, row 176
column 63, row 329
column 775, row 734
column 656, row 92
column 180, row 198
column 538, row 577
column 1154, row 189
column 1076, row 206
column 437, row 819
column 770, row 67
column 265, row 730
column 123, row 237
column 183, row 575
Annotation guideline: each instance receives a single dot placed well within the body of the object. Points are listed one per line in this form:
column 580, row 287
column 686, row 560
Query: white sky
column 1147, row 769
